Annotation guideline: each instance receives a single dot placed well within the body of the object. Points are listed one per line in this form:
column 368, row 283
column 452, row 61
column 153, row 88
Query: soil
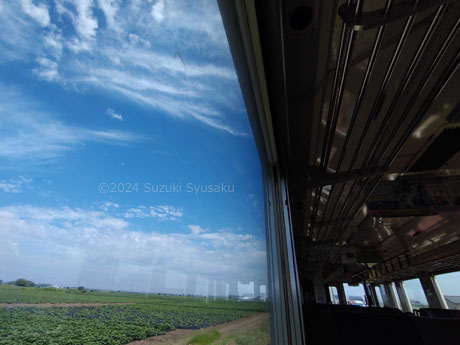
column 180, row 336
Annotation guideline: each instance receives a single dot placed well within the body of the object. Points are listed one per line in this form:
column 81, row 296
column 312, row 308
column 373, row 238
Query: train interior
column 359, row 101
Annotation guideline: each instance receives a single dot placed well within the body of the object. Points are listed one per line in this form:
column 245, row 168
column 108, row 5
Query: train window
column 334, row 295
column 131, row 189
column 380, row 297
column 355, row 295
column 396, row 295
column 415, row 293
column 449, row 283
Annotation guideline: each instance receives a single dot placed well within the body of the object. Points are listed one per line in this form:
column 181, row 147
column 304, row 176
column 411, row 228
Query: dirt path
column 180, row 336
column 49, row 305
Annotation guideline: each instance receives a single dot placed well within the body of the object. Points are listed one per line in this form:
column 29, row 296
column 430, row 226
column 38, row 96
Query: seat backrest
column 361, row 328
column 437, row 331
column 440, row 313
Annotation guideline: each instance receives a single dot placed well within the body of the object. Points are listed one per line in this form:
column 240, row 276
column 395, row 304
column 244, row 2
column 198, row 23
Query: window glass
column 415, row 293
column 131, row 192
column 334, row 295
column 398, row 301
column 355, row 295
column 380, row 297
column 449, row 284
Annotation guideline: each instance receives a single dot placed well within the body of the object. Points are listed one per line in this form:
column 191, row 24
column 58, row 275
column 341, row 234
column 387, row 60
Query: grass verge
column 205, row 338
column 256, row 336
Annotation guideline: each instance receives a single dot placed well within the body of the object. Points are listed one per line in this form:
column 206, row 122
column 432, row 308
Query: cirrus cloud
column 109, row 45
column 27, row 132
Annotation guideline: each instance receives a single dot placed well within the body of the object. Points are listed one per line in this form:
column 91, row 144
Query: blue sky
column 134, row 96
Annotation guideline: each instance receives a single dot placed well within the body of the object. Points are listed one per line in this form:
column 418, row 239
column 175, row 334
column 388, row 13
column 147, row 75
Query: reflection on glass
column 415, row 293
column 449, row 284
column 380, row 296
column 397, row 300
column 131, row 189
column 334, row 294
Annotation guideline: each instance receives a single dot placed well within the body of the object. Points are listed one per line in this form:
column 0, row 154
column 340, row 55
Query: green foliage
column 205, row 337
column 257, row 336
column 113, row 324
column 24, row 282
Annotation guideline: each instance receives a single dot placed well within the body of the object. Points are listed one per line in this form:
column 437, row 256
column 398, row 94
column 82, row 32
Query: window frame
column 286, row 321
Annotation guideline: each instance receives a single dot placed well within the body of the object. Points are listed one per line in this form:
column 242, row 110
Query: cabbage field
column 123, row 317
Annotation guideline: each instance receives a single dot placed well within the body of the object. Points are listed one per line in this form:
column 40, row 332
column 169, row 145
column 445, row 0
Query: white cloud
column 197, row 17
column 161, row 212
column 16, row 33
column 53, row 42
column 135, row 39
column 164, row 212
column 114, row 77
column 108, row 205
column 175, row 108
column 47, row 69
column 158, row 11
column 77, row 245
column 152, row 61
column 107, row 136
column 14, row 185
column 80, row 12
column 136, row 212
column 26, row 132
column 110, row 9
column 38, row 12
column 84, row 21
column 181, row 68
column 196, row 229
column 114, row 115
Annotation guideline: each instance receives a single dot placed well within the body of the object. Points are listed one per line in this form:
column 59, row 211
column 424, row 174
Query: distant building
column 357, row 300
column 246, row 296
column 453, row 302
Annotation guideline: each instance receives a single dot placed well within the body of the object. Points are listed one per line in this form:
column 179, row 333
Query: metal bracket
column 370, row 20
column 320, row 178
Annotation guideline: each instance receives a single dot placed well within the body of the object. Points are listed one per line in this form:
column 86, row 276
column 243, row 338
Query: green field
column 149, row 315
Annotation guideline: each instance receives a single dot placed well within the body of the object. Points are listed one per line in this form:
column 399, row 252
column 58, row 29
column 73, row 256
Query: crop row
column 108, row 325
column 12, row 294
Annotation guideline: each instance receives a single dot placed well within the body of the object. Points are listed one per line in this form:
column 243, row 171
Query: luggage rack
column 403, row 267
column 345, row 181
